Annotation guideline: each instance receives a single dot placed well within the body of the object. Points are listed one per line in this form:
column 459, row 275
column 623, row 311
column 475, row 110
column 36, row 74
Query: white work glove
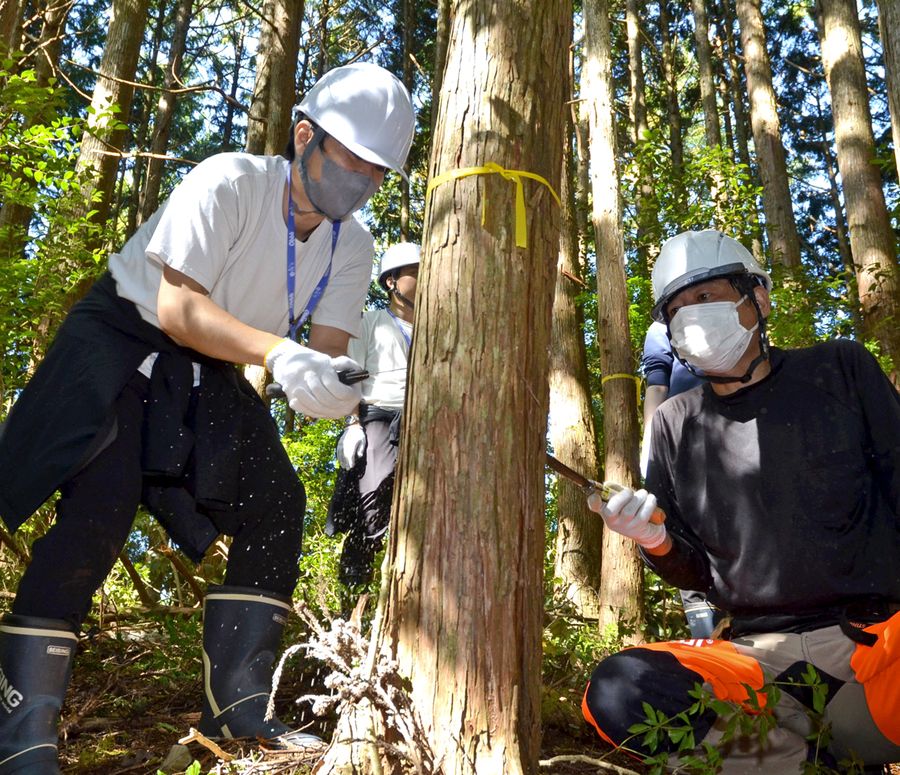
column 351, row 446
column 628, row 513
column 310, row 380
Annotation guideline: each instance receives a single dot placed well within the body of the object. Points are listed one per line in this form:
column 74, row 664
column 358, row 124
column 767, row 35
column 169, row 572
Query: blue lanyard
column 401, row 329
column 296, row 324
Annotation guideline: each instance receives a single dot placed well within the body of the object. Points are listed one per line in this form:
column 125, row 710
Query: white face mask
column 710, row 336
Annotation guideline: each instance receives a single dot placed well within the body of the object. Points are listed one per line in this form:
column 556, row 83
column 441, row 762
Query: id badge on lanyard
column 297, row 323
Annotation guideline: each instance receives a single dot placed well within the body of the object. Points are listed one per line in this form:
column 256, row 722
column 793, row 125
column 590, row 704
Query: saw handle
column 607, row 489
column 347, row 376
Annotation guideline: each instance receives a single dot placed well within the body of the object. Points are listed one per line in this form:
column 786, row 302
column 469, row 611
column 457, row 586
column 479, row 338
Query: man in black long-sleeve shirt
column 780, row 479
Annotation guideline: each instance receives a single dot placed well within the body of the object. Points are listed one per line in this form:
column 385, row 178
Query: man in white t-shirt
column 137, row 402
column 367, row 449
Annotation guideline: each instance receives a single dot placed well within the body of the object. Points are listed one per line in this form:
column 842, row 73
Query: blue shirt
column 661, row 367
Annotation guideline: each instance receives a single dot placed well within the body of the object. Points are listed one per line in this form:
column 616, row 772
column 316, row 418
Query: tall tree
column 705, row 66
column 15, row 217
column 239, row 44
column 872, row 240
column 707, row 89
column 407, row 76
column 268, row 124
column 101, row 146
column 441, row 40
column 736, row 91
column 645, row 214
column 781, row 227
column 579, row 531
column 670, row 86
column 620, row 583
column 165, row 111
column 837, row 205
column 276, row 70
column 10, row 25
column 463, row 595
column 889, row 26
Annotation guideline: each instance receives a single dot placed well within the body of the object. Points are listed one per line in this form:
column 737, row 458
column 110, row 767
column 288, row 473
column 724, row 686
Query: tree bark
column 673, row 111
column 725, row 99
column 840, row 221
column 621, row 580
column 239, row 43
column 463, row 611
column 889, row 26
column 646, row 239
column 101, row 145
column 10, row 25
column 409, row 23
column 579, row 531
column 707, row 83
column 140, row 135
column 275, row 84
column 753, row 241
column 708, row 92
column 441, row 39
column 269, row 122
column 872, row 240
column 781, row 227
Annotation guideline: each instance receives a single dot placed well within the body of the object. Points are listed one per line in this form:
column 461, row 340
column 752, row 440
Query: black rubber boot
column 35, row 664
column 242, row 629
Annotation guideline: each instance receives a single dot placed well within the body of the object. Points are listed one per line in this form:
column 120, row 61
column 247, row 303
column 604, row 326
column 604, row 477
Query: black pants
column 97, row 507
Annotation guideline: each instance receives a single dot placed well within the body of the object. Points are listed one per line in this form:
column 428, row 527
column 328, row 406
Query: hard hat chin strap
column 748, row 374
column 395, row 292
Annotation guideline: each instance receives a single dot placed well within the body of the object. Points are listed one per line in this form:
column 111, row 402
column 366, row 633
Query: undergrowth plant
column 673, row 737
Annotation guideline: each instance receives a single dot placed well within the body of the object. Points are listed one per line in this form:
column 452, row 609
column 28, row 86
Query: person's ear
column 761, row 293
column 303, row 133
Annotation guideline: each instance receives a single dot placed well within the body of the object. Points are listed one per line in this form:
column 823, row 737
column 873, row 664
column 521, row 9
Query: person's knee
column 266, row 547
column 621, row 685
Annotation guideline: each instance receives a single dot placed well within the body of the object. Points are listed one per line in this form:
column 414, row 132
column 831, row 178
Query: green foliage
column 193, row 769
column 754, row 719
column 688, row 203
column 664, row 613
column 572, row 647
column 666, row 736
column 45, row 249
column 311, row 450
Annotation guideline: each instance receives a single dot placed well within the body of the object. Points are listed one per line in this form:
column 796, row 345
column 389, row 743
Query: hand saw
column 605, row 490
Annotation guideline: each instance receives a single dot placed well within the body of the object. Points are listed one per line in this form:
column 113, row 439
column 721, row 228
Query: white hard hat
column 694, row 257
column 365, row 108
column 396, row 257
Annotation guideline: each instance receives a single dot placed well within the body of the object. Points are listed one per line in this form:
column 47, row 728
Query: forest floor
column 127, row 708
column 124, row 715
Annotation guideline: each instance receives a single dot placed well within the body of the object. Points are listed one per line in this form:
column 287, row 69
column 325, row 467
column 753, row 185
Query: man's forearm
column 681, row 565
column 191, row 318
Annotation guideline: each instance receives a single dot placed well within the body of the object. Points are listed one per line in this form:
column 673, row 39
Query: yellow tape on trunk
column 516, row 176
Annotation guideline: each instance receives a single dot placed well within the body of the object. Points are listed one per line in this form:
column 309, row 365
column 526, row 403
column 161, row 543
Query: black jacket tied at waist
column 192, row 437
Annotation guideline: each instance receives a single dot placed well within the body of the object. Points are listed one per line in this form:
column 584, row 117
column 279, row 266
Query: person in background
column 667, row 376
column 780, row 481
column 138, row 401
column 367, row 449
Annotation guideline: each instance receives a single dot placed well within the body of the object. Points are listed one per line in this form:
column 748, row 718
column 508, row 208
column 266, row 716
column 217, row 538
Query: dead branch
column 150, row 601
column 355, row 679
column 181, row 568
column 608, row 767
column 569, row 276
column 193, row 736
column 10, row 543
